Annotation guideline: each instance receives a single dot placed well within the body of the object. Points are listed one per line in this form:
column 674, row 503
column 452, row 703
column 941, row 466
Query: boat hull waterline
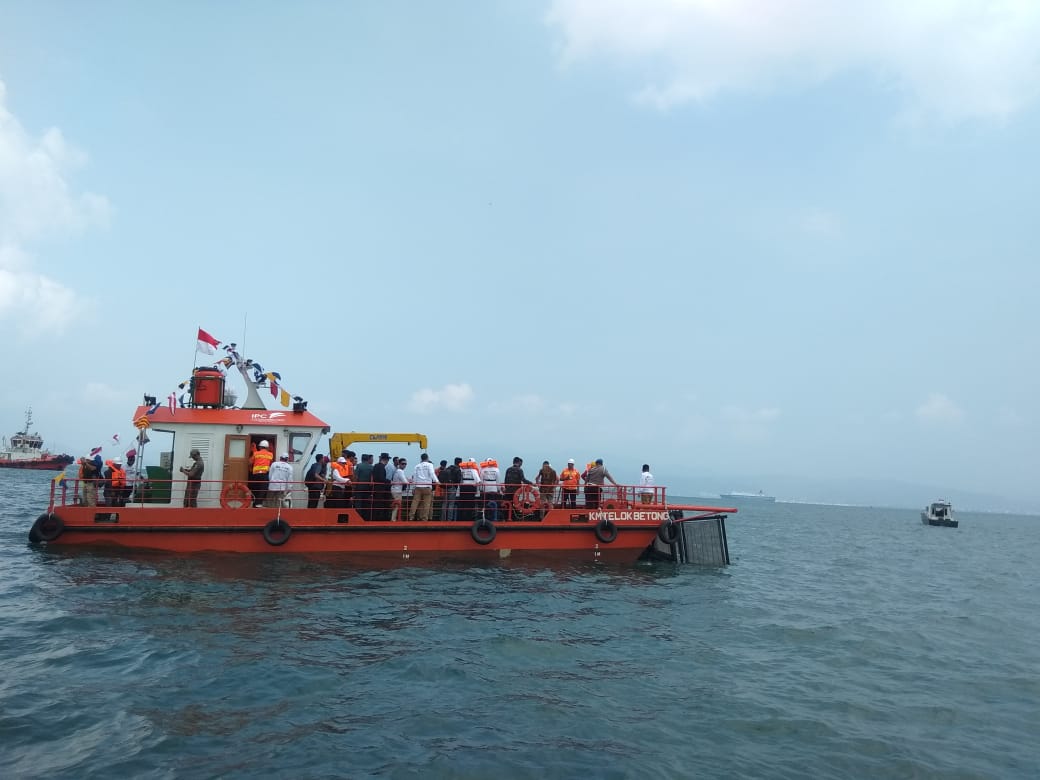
column 592, row 535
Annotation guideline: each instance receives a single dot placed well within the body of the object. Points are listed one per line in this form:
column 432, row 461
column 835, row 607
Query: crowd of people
column 463, row 490
column 107, row 483
column 386, row 488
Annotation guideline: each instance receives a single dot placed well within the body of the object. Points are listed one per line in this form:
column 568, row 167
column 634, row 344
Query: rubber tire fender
column 483, row 531
column 668, row 532
column 237, row 492
column 277, row 532
column 47, row 528
column 606, row 531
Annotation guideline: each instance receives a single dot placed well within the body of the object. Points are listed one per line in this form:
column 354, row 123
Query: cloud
column 953, row 59
column 453, row 398
column 938, row 409
column 35, row 203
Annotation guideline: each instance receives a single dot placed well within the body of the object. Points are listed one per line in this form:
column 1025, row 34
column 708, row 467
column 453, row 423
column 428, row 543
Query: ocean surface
column 842, row 642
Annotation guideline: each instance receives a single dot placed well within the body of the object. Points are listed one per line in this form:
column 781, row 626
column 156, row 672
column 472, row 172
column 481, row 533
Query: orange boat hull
column 562, row 533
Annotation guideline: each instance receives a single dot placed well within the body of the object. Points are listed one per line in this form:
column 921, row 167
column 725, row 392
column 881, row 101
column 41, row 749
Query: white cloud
column 36, row 202
column 953, row 59
column 452, row 398
column 939, row 409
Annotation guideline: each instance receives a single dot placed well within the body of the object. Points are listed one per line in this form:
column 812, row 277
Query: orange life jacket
column 343, row 469
column 118, row 477
column 569, row 477
column 261, row 461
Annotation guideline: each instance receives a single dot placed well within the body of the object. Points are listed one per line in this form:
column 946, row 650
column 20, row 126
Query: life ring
column 47, row 528
column 277, row 533
column 606, row 531
column 668, row 532
column 525, row 500
column 483, row 531
column 235, row 495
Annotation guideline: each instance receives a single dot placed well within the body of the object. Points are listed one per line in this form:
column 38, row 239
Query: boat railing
column 234, row 494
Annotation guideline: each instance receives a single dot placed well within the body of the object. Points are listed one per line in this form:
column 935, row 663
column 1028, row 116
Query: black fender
column 277, row 532
column 483, row 531
column 606, row 531
column 668, row 532
column 47, row 528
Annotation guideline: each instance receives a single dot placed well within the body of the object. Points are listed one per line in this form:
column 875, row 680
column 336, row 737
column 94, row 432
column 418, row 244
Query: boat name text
column 628, row 516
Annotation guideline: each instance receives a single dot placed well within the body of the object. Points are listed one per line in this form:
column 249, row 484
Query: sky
column 785, row 245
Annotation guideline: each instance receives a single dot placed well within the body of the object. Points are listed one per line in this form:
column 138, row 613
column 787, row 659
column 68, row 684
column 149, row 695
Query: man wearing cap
column 398, row 487
column 594, row 483
column 193, row 472
column 259, row 465
column 569, row 478
column 423, row 480
column 381, row 476
column 363, row 486
column 279, row 481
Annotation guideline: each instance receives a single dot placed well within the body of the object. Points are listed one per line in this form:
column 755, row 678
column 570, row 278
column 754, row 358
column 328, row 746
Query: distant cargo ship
column 740, row 496
column 25, row 450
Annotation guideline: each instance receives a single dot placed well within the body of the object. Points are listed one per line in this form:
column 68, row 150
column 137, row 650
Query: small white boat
column 939, row 513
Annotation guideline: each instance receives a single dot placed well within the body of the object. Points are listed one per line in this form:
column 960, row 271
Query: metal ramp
column 702, row 542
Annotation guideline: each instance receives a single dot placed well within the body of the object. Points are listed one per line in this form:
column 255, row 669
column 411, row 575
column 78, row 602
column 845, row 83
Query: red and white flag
column 207, row 344
column 171, row 401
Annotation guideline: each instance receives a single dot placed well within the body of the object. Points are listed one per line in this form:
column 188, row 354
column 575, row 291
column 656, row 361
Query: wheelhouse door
column 236, row 458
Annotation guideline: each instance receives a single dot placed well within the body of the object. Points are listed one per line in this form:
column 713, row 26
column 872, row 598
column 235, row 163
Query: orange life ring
column 525, row 500
column 235, row 495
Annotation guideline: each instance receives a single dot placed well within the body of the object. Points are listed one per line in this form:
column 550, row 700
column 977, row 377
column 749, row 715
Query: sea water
column 841, row 642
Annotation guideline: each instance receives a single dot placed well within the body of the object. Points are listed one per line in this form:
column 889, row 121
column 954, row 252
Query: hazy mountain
column 865, row 492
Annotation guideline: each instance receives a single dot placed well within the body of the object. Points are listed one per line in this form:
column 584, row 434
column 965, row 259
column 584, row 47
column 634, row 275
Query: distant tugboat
column 25, row 450
column 939, row 513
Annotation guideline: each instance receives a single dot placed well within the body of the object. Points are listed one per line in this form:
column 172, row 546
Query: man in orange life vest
column 569, row 485
column 259, row 465
column 115, row 483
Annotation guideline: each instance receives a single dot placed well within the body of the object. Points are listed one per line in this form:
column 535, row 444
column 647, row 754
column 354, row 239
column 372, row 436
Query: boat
column 620, row 527
column 939, row 513
column 741, row 496
column 24, row 450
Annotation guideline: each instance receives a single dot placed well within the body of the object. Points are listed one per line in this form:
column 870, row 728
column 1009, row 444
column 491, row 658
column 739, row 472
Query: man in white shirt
column 423, row 479
column 646, row 486
column 279, row 480
column 398, row 486
column 489, row 482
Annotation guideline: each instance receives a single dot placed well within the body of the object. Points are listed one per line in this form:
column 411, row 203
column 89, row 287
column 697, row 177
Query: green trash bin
column 157, row 489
